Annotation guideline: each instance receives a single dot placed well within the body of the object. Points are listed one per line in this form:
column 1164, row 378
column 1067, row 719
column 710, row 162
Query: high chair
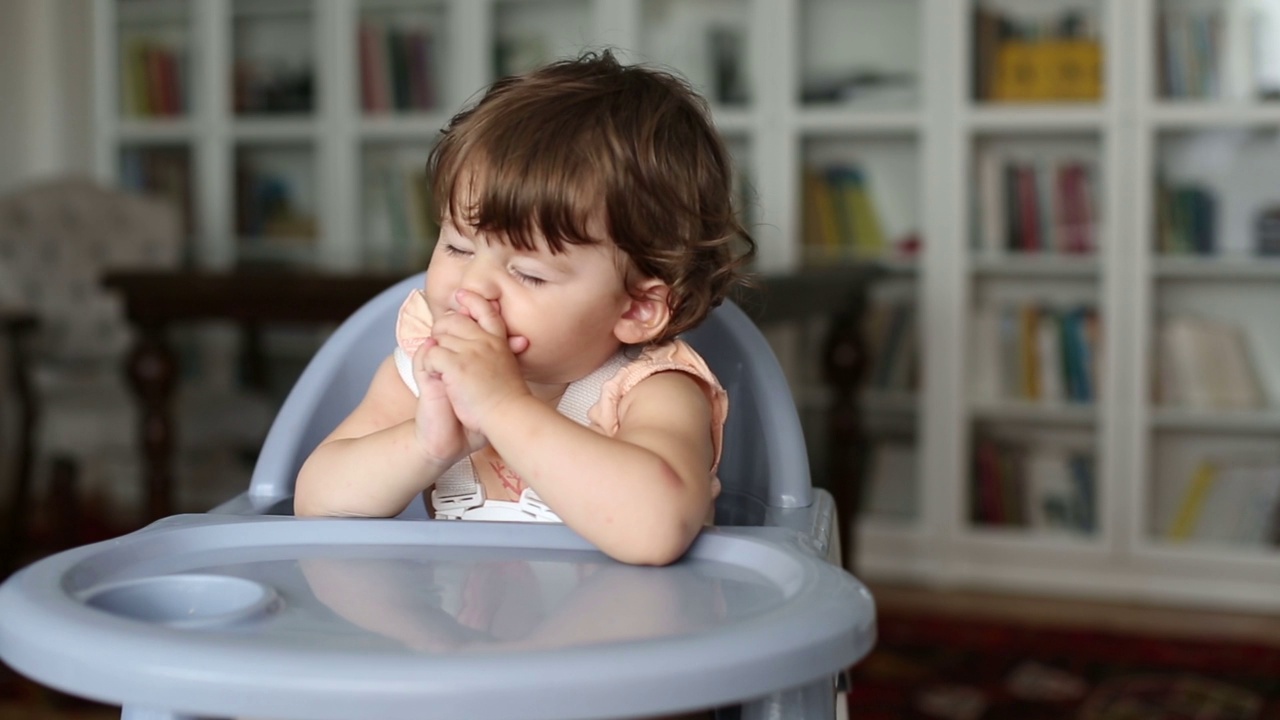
column 247, row 611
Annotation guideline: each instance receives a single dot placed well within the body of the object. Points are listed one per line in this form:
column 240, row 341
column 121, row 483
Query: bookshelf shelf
column 274, row 129
column 1037, row 119
column 1206, row 114
column 143, row 12
column 849, row 119
column 1035, row 539
column 899, row 268
column 1045, row 266
column 1220, row 421
column 732, row 120
column 417, row 126
column 1220, row 269
column 1010, row 411
column 150, row 131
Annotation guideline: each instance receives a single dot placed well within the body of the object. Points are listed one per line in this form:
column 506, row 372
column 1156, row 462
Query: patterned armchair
column 56, row 240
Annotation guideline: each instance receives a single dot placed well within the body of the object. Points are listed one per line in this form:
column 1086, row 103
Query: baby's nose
column 481, row 281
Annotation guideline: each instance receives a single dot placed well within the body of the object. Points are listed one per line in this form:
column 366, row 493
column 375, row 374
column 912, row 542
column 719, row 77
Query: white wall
column 46, row 126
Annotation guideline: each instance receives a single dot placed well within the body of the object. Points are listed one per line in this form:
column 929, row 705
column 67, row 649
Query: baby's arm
column 371, row 465
column 641, row 496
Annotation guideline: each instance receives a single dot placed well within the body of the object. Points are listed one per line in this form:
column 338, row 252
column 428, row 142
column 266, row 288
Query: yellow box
column 1044, row 70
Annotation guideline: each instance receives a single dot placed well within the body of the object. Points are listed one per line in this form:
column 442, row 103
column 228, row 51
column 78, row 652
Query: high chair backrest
column 764, row 463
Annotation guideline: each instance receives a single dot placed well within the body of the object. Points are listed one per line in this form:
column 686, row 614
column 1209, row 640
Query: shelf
column 847, row 119
column 1019, row 538
column 1064, row 117
column 732, row 120
column 1218, row 421
column 898, row 267
column 1227, row 268
column 139, row 132
column 272, row 9
column 145, row 12
column 1030, row 412
column 1037, row 266
column 1258, row 557
column 299, row 128
column 416, row 126
column 1194, row 115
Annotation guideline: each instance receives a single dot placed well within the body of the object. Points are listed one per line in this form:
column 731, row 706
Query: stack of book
column 894, row 344
column 153, row 79
column 840, row 219
column 1036, row 203
column 399, row 226
column 1230, row 500
column 1020, row 484
column 1039, row 353
column 397, row 68
column 1036, row 59
column 1190, row 41
column 1205, row 364
column 1186, row 220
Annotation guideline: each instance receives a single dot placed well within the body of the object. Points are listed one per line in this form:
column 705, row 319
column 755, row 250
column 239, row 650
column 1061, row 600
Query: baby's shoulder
column 670, row 359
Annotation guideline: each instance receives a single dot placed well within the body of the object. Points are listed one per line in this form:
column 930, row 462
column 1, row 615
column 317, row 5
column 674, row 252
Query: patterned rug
column 936, row 668
column 952, row 669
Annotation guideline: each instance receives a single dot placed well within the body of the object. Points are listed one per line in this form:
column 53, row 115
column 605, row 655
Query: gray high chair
column 247, row 611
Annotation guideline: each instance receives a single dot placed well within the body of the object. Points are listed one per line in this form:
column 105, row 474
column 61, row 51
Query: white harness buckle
column 532, row 505
column 454, row 505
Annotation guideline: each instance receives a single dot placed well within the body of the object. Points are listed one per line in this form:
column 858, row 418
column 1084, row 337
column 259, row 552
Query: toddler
column 586, row 220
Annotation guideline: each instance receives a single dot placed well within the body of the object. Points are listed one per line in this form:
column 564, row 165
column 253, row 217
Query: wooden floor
column 1119, row 617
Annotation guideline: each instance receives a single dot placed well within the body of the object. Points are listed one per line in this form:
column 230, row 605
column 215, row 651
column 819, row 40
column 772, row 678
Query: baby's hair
column 547, row 152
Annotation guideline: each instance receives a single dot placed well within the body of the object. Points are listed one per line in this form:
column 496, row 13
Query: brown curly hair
column 548, row 152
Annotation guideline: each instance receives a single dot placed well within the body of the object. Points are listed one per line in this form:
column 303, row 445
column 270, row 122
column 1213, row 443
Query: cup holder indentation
column 184, row 601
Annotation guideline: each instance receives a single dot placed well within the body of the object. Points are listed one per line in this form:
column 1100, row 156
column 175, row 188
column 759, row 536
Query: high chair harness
column 459, row 494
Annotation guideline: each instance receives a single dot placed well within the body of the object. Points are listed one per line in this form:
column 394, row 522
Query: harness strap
column 458, row 489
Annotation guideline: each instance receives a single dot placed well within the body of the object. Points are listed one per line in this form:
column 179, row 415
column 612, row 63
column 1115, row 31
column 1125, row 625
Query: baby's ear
column 647, row 315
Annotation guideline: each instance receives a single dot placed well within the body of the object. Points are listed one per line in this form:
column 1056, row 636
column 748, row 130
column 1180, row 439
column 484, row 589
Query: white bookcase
column 863, row 103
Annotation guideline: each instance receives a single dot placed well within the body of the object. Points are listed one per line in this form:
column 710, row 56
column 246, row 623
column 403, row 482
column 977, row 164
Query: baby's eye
column 455, row 251
column 529, row 280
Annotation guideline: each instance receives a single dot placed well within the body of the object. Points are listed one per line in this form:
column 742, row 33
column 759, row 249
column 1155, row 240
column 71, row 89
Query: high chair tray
column 317, row 618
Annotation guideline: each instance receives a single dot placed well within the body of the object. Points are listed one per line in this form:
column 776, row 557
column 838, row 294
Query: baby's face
column 567, row 305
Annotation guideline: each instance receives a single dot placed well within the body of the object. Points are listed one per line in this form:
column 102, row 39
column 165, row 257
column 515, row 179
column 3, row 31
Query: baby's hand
column 476, row 359
column 438, row 432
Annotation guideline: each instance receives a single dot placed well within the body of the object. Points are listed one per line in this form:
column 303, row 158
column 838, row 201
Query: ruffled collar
column 413, row 324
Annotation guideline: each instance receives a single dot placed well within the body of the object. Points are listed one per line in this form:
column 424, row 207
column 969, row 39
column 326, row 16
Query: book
column 1059, row 489
column 1206, row 364
column 1187, row 517
column 1034, row 202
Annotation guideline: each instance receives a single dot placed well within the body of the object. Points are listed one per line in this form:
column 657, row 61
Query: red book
column 155, row 81
column 170, row 95
column 416, row 60
column 1028, row 209
column 366, row 50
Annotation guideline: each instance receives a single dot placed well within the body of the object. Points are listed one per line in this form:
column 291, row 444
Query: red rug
column 937, row 668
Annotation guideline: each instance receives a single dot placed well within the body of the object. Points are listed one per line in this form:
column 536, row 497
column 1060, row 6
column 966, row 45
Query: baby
column 587, row 219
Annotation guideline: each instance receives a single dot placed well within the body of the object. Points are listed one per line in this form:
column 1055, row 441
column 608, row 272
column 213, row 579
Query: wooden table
column 155, row 300
column 17, row 324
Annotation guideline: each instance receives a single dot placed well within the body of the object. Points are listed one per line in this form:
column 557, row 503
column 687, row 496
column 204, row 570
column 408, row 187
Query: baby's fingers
column 422, row 369
column 484, row 312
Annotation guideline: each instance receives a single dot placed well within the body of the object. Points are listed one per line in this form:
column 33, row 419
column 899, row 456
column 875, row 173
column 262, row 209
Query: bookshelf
column 886, row 131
